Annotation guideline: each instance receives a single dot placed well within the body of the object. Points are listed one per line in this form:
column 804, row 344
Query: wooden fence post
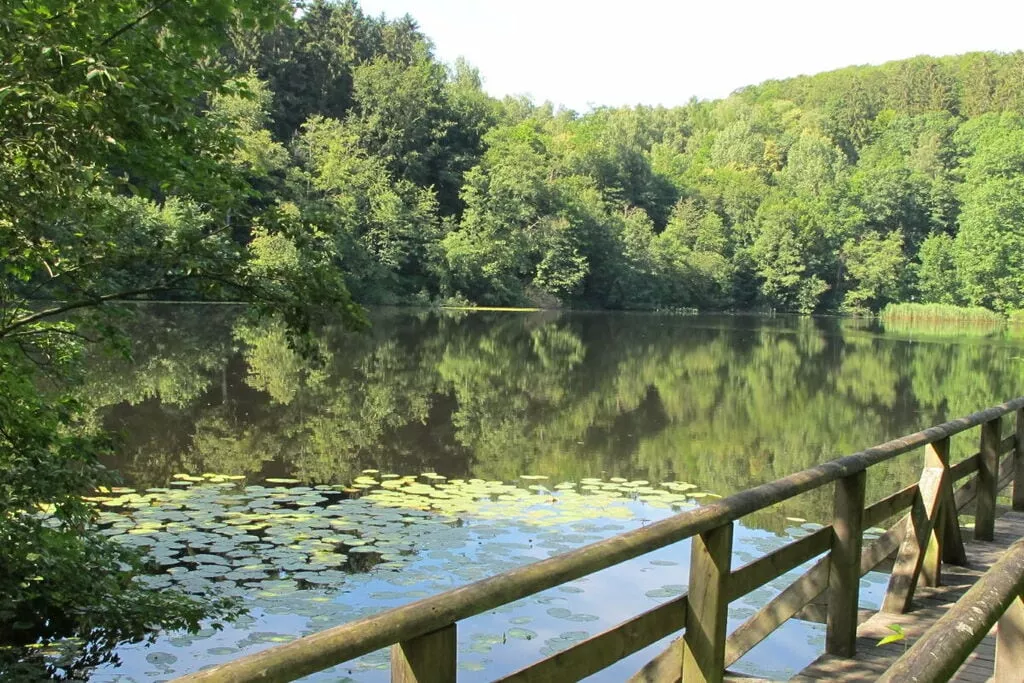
column 988, row 480
column 1010, row 643
column 431, row 658
column 844, row 565
column 1018, row 463
column 704, row 640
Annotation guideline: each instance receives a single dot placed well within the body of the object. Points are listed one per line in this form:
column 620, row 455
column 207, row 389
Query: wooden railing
column 998, row 596
column 423, row 634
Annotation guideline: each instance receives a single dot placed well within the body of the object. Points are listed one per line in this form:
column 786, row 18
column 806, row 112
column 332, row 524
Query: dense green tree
column 384, row 229
column 937, row 277
column 991, row 223
column 114, row 185
column 875, row 265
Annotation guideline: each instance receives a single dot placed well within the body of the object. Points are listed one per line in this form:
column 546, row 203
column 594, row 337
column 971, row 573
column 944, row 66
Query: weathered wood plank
column 601, row 651
column 910, row 558
column 939, row 652
column 757, row 573
column 1010, row 643
column 965, row 467
column 935, row 455
column 1018, row 462
column 883, row 547
column 844, row 568
column 704, row 640
column 968, row 493
column 870, row 661
column 667, row 667
column 777, row 611
column 888, row 507
column 988, row 480
column 817, row 612
column 430, row 658
column 1008, row 444
column 792, row 601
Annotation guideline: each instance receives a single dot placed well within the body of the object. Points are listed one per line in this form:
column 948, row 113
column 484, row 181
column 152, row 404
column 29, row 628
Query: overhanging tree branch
column 82, row 303
column 132, row 24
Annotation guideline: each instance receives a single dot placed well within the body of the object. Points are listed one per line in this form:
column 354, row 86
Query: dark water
column 723, row 402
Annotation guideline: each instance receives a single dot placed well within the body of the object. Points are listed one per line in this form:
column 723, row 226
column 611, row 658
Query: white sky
column 623, row 52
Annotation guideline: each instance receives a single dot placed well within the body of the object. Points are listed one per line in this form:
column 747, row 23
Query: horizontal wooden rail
column 888, row 507
column 757, row 573
column 603, row 650
column 435, row 615
column 970, row 465
column 965, row 467
column 811, row 585
column 943, row 648
column 966, row 494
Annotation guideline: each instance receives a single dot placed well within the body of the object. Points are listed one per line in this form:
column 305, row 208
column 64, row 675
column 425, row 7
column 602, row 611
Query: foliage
column 946, row 312
column 896, row 636
column 252, row 152
column 842, row 191
column 876, row 266
column 116, row 184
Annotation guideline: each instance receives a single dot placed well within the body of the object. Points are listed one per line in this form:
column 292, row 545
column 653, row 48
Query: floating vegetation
column 332, row 554
column 212, row 533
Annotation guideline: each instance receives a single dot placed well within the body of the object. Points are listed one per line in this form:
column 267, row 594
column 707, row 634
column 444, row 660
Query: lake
column 441, row 447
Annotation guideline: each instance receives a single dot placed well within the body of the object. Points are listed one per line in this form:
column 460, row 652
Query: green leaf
column 897, row 635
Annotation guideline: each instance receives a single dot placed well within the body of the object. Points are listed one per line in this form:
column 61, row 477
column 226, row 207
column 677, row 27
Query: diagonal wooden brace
column 911, row 556
column 946, row 544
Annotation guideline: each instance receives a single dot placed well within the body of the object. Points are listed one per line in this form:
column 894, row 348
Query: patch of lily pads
column 212, row 531
column 291, row 549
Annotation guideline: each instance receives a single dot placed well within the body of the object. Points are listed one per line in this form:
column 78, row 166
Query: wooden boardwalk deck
column 929, row 604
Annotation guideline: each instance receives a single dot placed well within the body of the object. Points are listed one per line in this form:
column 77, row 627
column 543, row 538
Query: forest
column 308, row 159
column 842, row 191
column 335, row 145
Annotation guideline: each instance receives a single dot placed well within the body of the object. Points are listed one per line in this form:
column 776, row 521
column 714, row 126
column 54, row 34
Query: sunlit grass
column 491, row 308
column 941, row 313
column 941, row 320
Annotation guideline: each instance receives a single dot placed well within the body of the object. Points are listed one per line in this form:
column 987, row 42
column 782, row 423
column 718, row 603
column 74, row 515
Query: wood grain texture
column 1018, row 462
column 431, row 658
column 988, row 480
column 911, row 555
column 844, row 568
column 938, row 653
column 704, row 640
column 871, row 661
column 1009, row 665
column 603, row 650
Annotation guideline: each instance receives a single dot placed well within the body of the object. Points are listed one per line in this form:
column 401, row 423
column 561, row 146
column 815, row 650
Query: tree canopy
column 817, row 193
column 305, row 158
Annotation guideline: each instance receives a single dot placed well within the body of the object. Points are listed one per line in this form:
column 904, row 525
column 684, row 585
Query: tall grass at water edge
column 941, row 321
column 943, row 313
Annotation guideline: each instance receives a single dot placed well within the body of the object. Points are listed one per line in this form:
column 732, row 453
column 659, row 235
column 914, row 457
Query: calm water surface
column 538, row 433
